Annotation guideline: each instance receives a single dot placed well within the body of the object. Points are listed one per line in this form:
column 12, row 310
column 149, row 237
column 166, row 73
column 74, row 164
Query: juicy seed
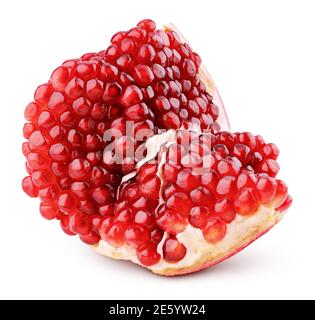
column 173, row 250
column 29, row 187
column 198, row 217
column 245, row 203
column 147, row 254
column 266, row 188
column 171, row 221
column 225, row 210
column 114, row 234
column 281, row 193
column 136, row 235
column 215, row 230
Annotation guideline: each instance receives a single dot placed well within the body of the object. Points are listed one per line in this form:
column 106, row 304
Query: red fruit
column 201, row 196
column 131, row 96
column 173, row 250
column 171, row 221
column 245, row 202
column 99, row 160
column 114, row 234
column 215, row 230
column 143, row 75
column 147, row 24
column 241, row 152
column 198, row 216
column 266, row 188
column 270, row 167
column 91, row 238
column 136, row 234
column 67, row 202
column 79, row 169
column 64, row 223
column 281, row 193
column 145, row 218
column 156, row 235
column 228, row 168
column 29, row 187
column 225, row 210
column 179, row 201
column 147, row 254
column 48, row 210
column 187, row 180
column 225, row 186
column 150, row 187
column 80, row 224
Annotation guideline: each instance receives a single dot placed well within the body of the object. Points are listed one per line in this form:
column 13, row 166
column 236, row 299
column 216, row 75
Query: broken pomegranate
column 131, row 150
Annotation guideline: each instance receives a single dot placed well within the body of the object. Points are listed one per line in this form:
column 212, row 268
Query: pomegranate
column 130, row 149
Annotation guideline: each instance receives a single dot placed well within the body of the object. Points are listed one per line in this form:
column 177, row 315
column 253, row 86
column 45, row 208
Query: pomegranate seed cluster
column 148, row 78
column 164, row 197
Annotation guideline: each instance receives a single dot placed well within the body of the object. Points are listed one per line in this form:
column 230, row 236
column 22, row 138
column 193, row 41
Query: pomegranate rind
column 206, row 78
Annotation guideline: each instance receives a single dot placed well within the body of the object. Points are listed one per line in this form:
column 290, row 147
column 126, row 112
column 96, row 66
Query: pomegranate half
column 130, row 149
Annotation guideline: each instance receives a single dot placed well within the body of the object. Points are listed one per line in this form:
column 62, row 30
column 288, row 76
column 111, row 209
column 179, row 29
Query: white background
column 261, row 55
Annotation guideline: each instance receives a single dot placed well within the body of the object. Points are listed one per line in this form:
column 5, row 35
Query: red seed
column 29, row 188
column 245, row 202
column 156, row 235
column 115, row 234
column 201, row 196
column 147, row 24
column 173, row 250
column 91, row 238
column 80, row 224
column 179, row 201
column 136, row 234
column 49, row 194
column 131, row 96
column 171, row 221
column 241, row 152
column 187, row 180
column 147, row 254
column 281, row 193
column 215, row 230
column 225, row 186
column 150, row 187
column 57, row 102
column 266, row 188
column 144, row 218
column 146, row 54
column 46, row 120
column 228, row 168
column 143, row 75
column 48, row 210
column 225, row 210
column 42, row 179
column 67, row 202
column 79, row 169
column 59, row 78
column 59, row 152
column 270, row 167
column 198, row 216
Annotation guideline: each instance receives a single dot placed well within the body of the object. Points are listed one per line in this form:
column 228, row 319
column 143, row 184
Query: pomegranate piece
column 126, row 148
